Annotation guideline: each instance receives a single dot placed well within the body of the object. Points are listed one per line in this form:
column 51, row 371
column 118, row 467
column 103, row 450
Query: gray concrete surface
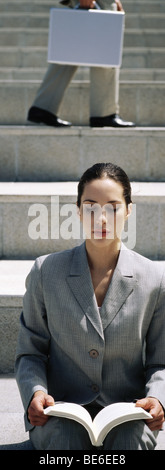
column 18, row 203
column 39, row 153
column 146, row 102
column 12, row 432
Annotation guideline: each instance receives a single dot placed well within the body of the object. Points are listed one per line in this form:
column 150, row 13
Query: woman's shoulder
column 144, row 260
column 55, row 260
column 146, row 267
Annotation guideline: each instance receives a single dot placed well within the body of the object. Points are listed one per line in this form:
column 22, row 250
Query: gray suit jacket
column 70, row 351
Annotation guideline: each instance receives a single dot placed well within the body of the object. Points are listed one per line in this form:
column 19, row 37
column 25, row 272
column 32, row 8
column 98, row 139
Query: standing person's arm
column 119, row 5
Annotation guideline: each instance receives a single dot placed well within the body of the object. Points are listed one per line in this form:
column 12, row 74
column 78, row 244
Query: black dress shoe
column 41, row 116
column 114, row 120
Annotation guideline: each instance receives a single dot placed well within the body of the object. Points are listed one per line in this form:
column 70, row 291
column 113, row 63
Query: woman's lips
column 101, row 233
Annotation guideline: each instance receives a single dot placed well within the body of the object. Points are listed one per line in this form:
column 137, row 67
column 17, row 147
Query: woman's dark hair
column 105, row 170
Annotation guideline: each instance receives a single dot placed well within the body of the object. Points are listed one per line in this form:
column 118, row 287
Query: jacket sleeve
column 33, row 340
column 155, row 349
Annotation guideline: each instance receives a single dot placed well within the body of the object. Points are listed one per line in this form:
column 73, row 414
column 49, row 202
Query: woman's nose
column 102, row 217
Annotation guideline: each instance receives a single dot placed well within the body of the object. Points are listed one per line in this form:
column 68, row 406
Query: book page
column 72, row 411
column 115, row 414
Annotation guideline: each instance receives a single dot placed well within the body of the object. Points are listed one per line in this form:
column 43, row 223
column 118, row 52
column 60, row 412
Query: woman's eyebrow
column 108, row 202
column 114, row 202
column 89, row 200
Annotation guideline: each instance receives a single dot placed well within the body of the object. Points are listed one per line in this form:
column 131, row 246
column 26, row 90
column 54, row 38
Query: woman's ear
column 129, row 210
column 78, row 209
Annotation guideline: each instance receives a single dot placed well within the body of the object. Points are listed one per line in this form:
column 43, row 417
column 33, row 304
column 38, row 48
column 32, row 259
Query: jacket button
column 95, row 388
column 93, row 353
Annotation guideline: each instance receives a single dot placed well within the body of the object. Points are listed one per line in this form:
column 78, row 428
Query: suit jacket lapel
column 121, row 286
column 80, row 283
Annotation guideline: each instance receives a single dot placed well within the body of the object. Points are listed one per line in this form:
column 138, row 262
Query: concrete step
column 12, row 288
column 142, row 74
column 27, row 6
column 143, row 57
column 142, row 102
column 139, row 21
column 33, row 73
column 144, row 38
column 37, row 218
column 14, row 36
column 143, row 7
column 143, row 21
column 39, row 6
column 12, row 432
column 31, row 153
column 33, row 56
column 37, row 73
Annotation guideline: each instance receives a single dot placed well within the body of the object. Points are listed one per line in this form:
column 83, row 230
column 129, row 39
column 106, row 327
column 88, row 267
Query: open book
column 104, row 421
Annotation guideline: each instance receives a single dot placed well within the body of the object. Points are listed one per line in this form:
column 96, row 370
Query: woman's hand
column 154, row 407
column 39, row 401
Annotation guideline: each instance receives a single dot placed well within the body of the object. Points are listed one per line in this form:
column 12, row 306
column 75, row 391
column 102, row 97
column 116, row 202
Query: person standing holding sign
column 104, row 88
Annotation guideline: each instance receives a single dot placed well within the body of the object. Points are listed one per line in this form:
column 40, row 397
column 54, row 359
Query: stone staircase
column 39, row 162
